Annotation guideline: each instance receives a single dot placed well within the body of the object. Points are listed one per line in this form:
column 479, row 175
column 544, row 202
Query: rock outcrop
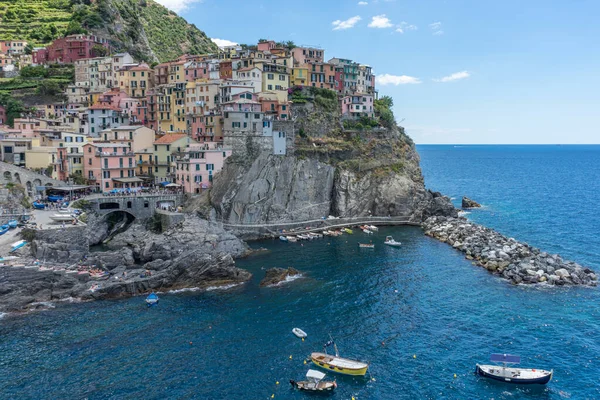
column 274, row 276
column 518, row 262
column 192, row 254
column 468, row 203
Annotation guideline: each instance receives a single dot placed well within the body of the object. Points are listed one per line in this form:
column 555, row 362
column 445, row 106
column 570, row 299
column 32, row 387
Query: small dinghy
column 348, row 231
column 283, row 238
column 373, row 228
column 38, row 206
column 314, row 383
column 61, row 217
column 366, row 245
column 299, row 332
column 152, row 299
column 13, row 224
column 391, row 242
column 17, row 245
column 368, row 232
column 521, row 376
column 4, row 229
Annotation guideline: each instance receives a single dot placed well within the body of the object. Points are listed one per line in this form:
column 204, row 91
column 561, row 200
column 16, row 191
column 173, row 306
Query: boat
column 283, row 238
column 38, row 206
column 373, row 228
column 17, row 245
column 348, row 231
column 54, row 199
column 66, row 211
column 366, row 245
column 13, row 223
column 314, row 383
column 299, row 332
column 152, row 299
column 335, row 363
column 291, row 239
column 368, row 232
column 4, row 229
column 522, row 376
column 391, row 242
column 61, row 217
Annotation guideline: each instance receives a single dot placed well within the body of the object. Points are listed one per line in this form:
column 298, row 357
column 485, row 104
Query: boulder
column 273, row 276
column 562, row 273
column 468, row 203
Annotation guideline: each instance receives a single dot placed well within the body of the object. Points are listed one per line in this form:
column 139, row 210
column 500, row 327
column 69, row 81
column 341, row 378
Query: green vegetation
column 13, row 107
column 325, row 98
column 364, row 123
column 128, row 24
column 383, row 109
column 34, row 81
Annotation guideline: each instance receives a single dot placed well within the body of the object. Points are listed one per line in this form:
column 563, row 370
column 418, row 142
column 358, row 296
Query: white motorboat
column 283, row 238
column 314, row 383
column 66, row 211
column 368, row 232
column 299, row 333
column 291, row 239
column 522, row 376
column 61, row 217
column 373, row 228
column 391, row 242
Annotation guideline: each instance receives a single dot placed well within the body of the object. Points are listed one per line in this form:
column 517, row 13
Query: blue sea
column 422, row 315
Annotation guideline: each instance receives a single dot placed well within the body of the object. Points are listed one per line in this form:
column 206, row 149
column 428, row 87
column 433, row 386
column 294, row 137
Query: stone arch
column 115, row 211
column 17, row 177
column 29, row 186
column 7, row 176
column 49, row 184
column 37, row 182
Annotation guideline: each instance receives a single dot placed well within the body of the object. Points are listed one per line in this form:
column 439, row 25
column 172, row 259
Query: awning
column 68, row 188
column 172, row 185
column 127, row 180
column 164, row 183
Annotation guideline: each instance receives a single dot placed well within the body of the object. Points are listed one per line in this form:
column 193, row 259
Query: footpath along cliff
column 333, row 167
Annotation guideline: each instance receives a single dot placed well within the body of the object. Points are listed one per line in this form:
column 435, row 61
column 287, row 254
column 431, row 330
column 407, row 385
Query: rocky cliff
column 334, row 168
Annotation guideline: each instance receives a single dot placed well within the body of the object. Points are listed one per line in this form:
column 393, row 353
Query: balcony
column 113, row 154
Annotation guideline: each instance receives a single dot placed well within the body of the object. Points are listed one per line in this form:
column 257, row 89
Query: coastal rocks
column 67, row 245
column 515, row 261
column 274, row 276
column 468, row 203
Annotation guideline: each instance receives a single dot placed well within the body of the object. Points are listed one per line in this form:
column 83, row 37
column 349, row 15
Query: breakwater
column 516, row 261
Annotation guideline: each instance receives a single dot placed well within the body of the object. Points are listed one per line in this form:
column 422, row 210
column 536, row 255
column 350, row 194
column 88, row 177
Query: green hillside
column 146, row 29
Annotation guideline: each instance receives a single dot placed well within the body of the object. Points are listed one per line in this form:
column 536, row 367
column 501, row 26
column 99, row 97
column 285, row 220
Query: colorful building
column 137, row 137
column 306, row 55
column 195, row 168
column 164, row 148
column 104, row 116
column 357, row 106
column 70, row 49
column 109, row 165
column 136, row 80
column 300, row 76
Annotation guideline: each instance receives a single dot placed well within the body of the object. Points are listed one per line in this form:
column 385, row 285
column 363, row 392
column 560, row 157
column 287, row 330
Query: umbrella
column 170, row 185
column 165, row 183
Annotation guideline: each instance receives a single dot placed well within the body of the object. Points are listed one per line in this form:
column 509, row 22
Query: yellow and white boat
column 338, row 364
column 348, row 231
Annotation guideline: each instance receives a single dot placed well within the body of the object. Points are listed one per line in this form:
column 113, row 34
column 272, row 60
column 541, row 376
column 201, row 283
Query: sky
column 459, row 71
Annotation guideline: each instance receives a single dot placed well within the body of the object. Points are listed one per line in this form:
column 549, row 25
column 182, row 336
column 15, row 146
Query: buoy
column 304, row 362
column 190, row 343
column 273, row 396
column 277, row 383
column 383, row 343
column 414, row 356
column 303, row 339
column 454, row 376
column 373, row 379
column 290, row 357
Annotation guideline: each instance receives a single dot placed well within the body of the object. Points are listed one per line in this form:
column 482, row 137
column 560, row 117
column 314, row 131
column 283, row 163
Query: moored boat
column 314, row 383
column 338, row 364
column 366, row 245
column 368, row 232
column 283, row 238
column 521, row 376
column 4, row 229
column 291, row 239
column 152, row 299
column 66, row 211
column 17, row 245
column 38, row 206
column 391, row 242
column 373, row 228
column 348, row 231
column 299, row 333
column 12, row 224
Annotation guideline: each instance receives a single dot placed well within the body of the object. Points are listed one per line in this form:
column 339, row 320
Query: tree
column 386, row 101
column 99, row 51
column 74, row 28
column 290, row 45
column 48, row 88
column 13, row 107
column 262, row 40
column 28, row 49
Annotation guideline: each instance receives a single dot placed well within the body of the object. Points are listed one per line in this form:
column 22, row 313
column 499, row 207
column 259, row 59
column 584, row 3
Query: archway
column 7, row 176
column 37, row 182
column 29, row 187
column 17, row 177
column 117, row 221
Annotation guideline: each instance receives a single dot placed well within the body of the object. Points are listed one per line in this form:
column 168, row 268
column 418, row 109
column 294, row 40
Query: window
column 90, row 149
column 282, row 77
column 270, row 87
column 236, row 125
column 168, row 148
column 155, row 148
column 197, row 167
column 270, row 76
column 90, row 162
column 210, row 167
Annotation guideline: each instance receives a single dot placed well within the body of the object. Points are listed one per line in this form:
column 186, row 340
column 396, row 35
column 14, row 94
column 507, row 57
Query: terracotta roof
column 170, row 138
column 104, row 107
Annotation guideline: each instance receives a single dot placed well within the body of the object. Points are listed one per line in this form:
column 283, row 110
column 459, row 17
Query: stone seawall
column 516, row 261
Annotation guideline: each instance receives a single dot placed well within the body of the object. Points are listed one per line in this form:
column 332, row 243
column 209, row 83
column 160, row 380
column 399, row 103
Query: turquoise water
column 385, row 305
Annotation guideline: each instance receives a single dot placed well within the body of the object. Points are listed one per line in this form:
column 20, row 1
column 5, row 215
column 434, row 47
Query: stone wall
column 28, row 179
column 141, row 207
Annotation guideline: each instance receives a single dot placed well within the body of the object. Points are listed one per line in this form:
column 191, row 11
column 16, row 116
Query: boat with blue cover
column 12, row 224
column 54, row 199
column 522, row 376
column 4, row 229
column 17, row 245
column 152, row 299
column 38, row 206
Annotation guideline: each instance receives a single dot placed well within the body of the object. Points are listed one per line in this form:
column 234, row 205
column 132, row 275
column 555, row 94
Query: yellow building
column 300, row 76
column 136, row 80
column 144, row 161
column 177, row 72
column 171, row 108
column 41, row 157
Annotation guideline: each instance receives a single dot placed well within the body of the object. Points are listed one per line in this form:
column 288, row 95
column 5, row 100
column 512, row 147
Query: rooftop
column 170, row 138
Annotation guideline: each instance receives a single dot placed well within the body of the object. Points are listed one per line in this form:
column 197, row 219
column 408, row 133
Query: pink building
column 266, row 46
column 357, row 106
column 109, row 166
column 196, row 70
column 305, row 55
column 196, row 168
column 39, row 56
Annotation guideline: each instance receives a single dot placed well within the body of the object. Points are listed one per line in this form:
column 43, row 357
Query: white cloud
column 387, row 79
column 436, row 27
column 454, row 77
column 223, row 42
column 362, row 3
column 380, row 21
column 347, row 24
column 178, row 5
column 405, row 26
